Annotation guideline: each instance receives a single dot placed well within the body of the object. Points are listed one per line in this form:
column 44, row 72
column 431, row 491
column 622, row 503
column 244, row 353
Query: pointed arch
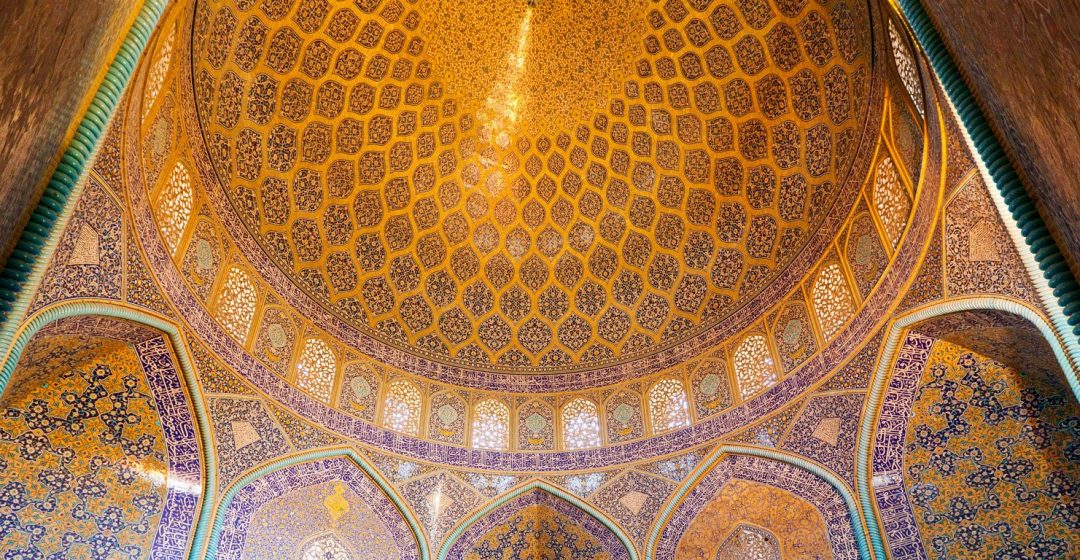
column 316, row 370
column 580, row 424
column 174, row 207
column 241, row 498
column 469, row 531
column 866, row 466
column 754, row 367
column 204, row 476
column 833, row 302
column 669, row 407
column 490, row 425
column 801, row 477
column 237, row 303
column 402, row 407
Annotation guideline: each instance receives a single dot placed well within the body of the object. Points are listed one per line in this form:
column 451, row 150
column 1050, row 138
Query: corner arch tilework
column 182, row 420
column 801, row 478
column 598, row 536
column 342, row 474
column 879, row 473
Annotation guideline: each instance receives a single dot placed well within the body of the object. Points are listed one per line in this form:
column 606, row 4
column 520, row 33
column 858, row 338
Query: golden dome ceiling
column 543, row 184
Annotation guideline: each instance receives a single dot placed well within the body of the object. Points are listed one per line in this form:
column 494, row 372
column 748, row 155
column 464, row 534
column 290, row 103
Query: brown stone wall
column 53, row 52
column 1022, row 59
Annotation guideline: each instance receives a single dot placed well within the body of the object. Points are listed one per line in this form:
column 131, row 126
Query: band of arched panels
column 729, row 376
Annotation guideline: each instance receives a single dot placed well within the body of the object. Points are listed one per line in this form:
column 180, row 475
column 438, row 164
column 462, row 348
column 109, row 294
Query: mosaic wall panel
column 865, row 253
column 794, row 335
column 360, row 389
column 991, row 461
column 293, row 510
column 88, row 260
column 276, row 339
column 826, row 432
column 245, row 435
column 537, row 524
column 100, row 456
column 440, row 501
column 812, row 522
column 447, row 418
column 634, row 500
column 536, row 426
column 980, row 255
column 711, row 386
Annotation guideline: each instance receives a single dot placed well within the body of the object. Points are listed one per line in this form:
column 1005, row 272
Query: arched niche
column 800, row 503
column 975, row 373
column 541, row 518
column 280, row 508
column 103, row 433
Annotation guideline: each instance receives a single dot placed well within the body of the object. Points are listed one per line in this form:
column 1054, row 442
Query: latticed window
column 890, row 200
column 905, row 65
column 316, row 369
column 236, row 304
column 402, row 412
column 749, row 543
column 581, row 424
column 754, row 368
column 668, row 407
column 491, row 425
column 326, row 547
column 832, row 300
column 156, row 77
column 174, row 206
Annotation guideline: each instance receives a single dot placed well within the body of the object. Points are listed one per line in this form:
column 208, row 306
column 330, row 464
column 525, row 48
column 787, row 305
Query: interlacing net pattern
column 236, row 303
column 754, row 367
column 316, row 369
column 832, row 300
column 890, row 200
column 402, row 409
column 581, row 424
column 392, row 161
column 173, row 210
column 491, row 425
column 668, row 407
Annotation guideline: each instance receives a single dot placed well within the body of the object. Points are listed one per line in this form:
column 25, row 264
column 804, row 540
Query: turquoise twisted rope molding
column 879, row 383
column 23, row 270
column 862, row 531
column 158, row 323
column 454, row 535
column 278, row 464
column 1060, row 284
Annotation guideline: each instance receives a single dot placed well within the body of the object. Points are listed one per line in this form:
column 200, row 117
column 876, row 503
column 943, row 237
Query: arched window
column 747, row 542
column 905, row 65
column 316, row 369
column 236, row 304
column 491, row 425
column 890, row 200
column 754, row 369
column 668, row 407
column 581, row 424
column 402, row 413
column 832, row 300
column 156, row 77
column 174, row 206
column 326, row 547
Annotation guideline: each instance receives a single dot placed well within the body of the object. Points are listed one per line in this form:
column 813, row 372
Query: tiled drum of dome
column 466, row 179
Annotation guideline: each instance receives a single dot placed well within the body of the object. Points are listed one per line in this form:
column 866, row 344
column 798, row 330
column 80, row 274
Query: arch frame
column 891, row 346
column 114, row 310
column 535, row 485
column 861, row 530
column 210, row 550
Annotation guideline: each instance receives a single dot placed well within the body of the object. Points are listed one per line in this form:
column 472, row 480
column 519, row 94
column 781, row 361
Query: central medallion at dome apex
column 555, row 186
